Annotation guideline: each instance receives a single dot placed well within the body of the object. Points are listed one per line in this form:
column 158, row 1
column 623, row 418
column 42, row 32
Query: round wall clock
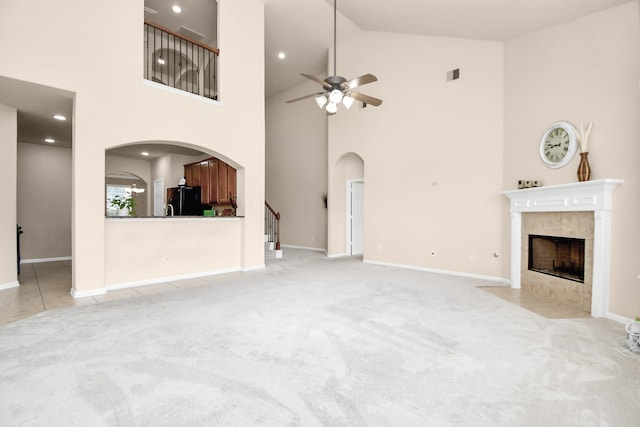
column 559, row 144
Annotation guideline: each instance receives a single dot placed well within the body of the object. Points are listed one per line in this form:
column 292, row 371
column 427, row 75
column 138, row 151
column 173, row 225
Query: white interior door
column 158, row 197
column 356, row 217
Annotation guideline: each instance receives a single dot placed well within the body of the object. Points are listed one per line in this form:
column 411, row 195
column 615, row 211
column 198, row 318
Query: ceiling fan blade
column 365, row 98
column 359, row 81
column 303, row 97
column 317, row 80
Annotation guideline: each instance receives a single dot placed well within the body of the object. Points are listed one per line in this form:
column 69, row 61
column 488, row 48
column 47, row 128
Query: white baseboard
column 337, row 255
column 304, row 247
column 165, row 279
column 617, row 318
column 89, row 293
column 446, row 272
column 253, row 268
column 9, row 285
column 37, row 260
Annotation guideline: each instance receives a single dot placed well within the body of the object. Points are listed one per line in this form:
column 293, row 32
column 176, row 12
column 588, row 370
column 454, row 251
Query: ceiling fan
column 337, row 89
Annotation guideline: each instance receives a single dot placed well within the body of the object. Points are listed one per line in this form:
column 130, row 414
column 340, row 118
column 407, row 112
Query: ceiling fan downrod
column 336, row 89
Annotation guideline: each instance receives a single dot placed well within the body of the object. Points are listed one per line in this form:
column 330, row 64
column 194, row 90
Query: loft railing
column 272, row 224
column 180, row 62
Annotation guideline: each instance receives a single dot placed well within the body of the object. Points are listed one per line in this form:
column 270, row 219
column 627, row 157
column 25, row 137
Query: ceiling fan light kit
column 337, row 89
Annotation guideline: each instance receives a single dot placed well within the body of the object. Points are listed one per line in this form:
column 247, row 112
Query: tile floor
column 46, row 286
column 536, row 303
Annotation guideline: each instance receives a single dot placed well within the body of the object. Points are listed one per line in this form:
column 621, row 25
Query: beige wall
column 114, row 106
column 8, row 218
column 44, row 201
column 586, row 70
column 129, row 261
column 432, row 151
column 296, row 164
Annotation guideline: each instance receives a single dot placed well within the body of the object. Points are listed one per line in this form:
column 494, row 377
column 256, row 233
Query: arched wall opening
column 161, row 165
column 160, row 247
column 349, row 167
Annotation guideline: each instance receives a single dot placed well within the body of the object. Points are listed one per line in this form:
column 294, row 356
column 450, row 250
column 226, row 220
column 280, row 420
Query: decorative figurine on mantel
column 584, row 170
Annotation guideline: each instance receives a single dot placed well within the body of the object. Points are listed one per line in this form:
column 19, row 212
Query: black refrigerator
column 184, row 200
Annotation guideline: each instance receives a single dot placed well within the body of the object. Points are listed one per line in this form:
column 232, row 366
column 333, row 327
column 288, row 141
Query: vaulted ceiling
column 303, row 30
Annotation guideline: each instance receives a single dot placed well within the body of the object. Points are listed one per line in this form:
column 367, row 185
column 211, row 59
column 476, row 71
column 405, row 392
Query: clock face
column 556, row 145
column 559, row 144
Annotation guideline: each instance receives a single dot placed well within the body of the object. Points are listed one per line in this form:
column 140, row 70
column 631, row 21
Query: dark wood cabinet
column 192, row 174
column 232, row 184
column 197, row 172
column 217, row 180
column 205, row 181
column 223, row 183
column 188, row 174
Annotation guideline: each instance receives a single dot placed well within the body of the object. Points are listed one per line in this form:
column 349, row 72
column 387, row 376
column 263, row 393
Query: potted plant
column 633, row 335
column 125, row 203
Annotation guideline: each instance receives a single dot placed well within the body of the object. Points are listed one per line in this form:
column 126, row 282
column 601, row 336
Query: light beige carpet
column 316, row 342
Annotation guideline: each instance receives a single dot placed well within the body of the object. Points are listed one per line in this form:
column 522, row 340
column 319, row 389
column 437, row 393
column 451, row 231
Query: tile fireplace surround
column 590, row 196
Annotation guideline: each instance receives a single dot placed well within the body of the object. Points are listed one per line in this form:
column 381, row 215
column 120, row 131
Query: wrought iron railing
column 272, row 225
column 180, row 62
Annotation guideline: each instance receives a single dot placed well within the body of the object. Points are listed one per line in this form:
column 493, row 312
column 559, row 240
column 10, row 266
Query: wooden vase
column 584, row 170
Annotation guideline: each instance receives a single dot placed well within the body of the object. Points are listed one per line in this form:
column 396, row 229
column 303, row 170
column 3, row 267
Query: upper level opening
column 180, row 45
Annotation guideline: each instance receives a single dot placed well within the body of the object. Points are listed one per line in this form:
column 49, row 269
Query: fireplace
column 552, row 211
column 557, row 256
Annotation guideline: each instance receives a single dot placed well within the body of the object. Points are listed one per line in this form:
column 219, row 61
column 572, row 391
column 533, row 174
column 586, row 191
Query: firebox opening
column 557, row 256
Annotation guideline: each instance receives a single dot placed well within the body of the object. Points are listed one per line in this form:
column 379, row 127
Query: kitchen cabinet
column 209, row 173
column 223, row 183
column 217, row 180
column 232, row 186
column 192, row 174
column 188, row 174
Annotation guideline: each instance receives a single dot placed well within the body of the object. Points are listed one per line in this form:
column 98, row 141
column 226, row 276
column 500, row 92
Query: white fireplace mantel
column 593, row 196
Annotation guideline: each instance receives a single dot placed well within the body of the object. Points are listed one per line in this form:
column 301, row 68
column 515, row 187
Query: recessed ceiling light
column 144, row 153
column 282, row 55
column 176, row 8
column 60, row 117
column 49, row 140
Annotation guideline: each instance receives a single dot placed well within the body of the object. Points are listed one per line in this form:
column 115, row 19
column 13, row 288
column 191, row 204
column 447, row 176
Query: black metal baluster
column 153, row 54
column 191, row 74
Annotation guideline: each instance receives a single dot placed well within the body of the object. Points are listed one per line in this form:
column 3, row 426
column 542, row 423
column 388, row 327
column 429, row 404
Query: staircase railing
column 272, row 224
column 179, row 61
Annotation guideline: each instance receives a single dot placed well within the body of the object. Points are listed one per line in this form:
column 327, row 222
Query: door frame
column 348, row 241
